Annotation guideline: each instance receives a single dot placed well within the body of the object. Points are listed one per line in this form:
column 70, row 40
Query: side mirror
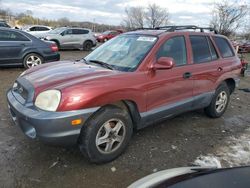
column 62, row 34
column 164, row 63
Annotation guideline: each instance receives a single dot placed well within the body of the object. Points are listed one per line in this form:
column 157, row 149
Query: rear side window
column 42, row 29
column 175, row 48
column 200, row 48
column 224, row 47
column 80, row 31
column 12, row 36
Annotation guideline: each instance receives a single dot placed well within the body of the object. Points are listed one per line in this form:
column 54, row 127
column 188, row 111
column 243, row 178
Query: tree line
column 227, row 17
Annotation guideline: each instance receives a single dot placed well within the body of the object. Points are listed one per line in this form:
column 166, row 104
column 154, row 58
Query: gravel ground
column 174, row 143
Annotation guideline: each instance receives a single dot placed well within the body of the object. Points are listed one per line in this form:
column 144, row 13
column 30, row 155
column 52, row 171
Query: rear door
column 206, row 69
column 12, row 44
column 80, row 36
column 170, row 91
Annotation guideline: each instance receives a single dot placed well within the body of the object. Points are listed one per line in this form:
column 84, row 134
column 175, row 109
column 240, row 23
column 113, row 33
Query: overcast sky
column 112, row 11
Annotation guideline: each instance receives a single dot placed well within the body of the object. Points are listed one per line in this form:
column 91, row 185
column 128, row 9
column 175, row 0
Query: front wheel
column 219, row 102
column 106, row 134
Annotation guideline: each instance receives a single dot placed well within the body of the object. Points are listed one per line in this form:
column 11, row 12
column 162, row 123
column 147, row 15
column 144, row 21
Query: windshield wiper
column 103, row 64
column 83, row 59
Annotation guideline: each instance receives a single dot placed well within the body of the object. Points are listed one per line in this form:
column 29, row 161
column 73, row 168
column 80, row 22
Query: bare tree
column 156, row 16
column 134, row 18
column 228, row 17
column 139, row 17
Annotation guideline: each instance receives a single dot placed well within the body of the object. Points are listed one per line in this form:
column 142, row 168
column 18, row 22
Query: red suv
column 132, row 81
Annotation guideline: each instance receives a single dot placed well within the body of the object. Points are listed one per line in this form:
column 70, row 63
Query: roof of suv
column 167, row 29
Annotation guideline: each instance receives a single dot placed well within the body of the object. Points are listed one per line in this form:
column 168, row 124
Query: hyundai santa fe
column 134, row 80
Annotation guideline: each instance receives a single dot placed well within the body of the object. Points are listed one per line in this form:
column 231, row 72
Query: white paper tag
column 147, row 39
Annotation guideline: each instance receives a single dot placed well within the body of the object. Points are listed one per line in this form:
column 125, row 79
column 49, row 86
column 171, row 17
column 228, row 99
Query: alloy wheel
column 33, row 61
column 110, row 136
column 221, row 102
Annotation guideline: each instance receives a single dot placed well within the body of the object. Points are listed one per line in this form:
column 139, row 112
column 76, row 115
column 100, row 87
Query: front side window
column 200, row 48
column 123, row 53
column 224, row 47
column 68, row 32
column 175, row 48
column 12, row 36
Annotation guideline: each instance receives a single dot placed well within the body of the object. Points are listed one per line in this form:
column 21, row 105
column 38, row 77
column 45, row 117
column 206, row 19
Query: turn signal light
column 76, row 122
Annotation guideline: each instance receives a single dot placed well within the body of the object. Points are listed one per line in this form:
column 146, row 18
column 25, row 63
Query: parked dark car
column 4, row 24
column 20, row 48
column 197, row 177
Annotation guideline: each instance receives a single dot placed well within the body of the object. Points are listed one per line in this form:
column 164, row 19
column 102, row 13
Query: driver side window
column 175, row 48
column 68, row 32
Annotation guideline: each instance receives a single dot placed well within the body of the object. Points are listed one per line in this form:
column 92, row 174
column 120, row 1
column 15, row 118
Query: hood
column 61, row 74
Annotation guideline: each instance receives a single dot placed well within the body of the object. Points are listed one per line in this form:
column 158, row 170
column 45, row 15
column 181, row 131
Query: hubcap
column 110, row 136
column 33, row 61
column 221, row 102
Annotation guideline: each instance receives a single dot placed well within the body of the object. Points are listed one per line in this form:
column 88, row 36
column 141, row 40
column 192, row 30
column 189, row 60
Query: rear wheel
column 219, row 102
column 87, row 45
column 32, row 60
column 106, row 135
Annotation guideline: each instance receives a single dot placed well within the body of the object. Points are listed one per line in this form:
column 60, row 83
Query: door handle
column 187, row 75
column 220, row 69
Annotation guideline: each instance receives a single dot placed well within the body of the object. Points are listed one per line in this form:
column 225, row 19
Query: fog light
column 76, row 122
column 31, row 133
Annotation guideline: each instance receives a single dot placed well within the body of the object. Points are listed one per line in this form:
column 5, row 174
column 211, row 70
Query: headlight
column 48, row 100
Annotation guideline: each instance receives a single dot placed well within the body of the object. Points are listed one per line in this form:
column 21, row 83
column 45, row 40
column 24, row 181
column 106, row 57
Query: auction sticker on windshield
column 147, row 39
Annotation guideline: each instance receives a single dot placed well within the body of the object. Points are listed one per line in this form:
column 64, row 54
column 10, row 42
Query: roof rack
column 172, row 28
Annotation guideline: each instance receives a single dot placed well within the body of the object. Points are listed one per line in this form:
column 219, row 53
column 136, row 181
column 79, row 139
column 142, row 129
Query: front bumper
column 50, row 127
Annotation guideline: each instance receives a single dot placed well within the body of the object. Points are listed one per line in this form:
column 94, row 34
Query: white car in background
column 38, row 31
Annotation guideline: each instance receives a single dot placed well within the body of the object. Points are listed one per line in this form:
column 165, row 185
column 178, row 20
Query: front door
column 170, row 91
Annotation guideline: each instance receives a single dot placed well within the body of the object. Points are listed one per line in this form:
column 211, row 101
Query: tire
column 32, row 60
column 219, row 102
column 105, row 40
column 97, row 139
column 87, row 45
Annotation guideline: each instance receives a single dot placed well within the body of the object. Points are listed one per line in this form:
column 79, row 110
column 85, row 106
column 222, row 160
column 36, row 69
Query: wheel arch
column 231, row 84
column 132, row 109
column 56, row 41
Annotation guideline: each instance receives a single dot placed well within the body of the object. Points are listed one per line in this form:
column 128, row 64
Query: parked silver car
column 72, row 38
column 38, row 31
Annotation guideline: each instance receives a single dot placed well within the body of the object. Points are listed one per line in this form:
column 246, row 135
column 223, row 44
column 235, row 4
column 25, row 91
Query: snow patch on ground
column 236, row 152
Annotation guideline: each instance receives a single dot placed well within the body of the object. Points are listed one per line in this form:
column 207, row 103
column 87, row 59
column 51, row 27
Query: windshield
column 123, row 53
column 57, row 30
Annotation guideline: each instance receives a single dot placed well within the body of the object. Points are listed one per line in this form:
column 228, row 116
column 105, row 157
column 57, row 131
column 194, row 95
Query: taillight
column 54, row 48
